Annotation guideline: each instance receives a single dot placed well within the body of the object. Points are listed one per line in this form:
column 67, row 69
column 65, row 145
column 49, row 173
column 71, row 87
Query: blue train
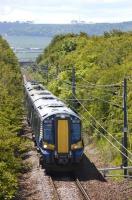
column 56, row 128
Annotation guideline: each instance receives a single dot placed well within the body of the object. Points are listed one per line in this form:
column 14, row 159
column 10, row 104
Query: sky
column 64, row 11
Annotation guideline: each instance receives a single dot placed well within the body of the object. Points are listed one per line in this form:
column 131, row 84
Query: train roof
column 33, row 86
column 45, row 102
column 42, row 92
column 43, row 97
column 48, row 111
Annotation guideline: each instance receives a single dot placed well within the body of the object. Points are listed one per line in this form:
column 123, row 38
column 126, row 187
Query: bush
column 11, row 113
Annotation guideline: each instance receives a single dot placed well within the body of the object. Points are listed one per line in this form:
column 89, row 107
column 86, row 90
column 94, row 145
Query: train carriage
column 56, row 128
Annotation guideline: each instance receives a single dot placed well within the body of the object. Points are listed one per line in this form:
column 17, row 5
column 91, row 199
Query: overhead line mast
column 125, row 142
column 73, row 87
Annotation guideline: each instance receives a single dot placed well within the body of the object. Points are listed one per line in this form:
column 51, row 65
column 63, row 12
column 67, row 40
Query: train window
column 76, row 121
column 76, row 132
column 38, row 88
column 48, row 132
column 47, row 98
column 48, row 121
column 40, row 107
column 34, row 83
column 56, row 106
column 44, row 93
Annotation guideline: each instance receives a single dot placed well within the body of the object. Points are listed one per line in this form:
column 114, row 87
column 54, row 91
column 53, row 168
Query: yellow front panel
column 63, row 139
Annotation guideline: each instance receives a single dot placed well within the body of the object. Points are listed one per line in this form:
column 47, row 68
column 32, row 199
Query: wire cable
column 102, row 126
column 116, row 105
column 94, row 98
column 108, row 139
column 99, row 85
column 86, row 87
column 95, row 85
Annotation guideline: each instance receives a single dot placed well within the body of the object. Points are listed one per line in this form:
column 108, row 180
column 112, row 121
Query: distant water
column 28, row 47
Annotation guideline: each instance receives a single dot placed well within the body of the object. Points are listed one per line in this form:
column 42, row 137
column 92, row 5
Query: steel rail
column 81, row 188
column 56, row 194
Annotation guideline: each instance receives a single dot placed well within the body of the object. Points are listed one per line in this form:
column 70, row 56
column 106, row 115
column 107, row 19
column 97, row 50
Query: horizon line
column 68, row 23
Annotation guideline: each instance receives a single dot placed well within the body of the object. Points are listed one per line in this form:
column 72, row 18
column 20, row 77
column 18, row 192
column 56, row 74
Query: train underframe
column 61, row 162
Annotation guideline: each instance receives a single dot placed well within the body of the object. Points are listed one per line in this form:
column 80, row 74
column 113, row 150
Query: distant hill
column 29, row 29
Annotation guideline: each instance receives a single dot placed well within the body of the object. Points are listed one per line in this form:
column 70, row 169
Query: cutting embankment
column 100, row 63
column 12, row 146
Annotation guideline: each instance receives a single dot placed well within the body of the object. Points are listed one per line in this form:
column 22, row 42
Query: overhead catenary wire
column 110, row 90
column 102, row 85
column 92, row 98
column 107, row 139
column 83, row 86
column 109, row 102
column 91, row 85
column 112, row 85
column 98, row 85
column 102, row 126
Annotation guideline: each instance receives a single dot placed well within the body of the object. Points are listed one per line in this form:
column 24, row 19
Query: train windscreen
column 76, row 132
column 48, row 131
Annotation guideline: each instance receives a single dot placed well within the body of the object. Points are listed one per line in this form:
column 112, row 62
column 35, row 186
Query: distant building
column 82, row 22
column 74, row 22
column 78, row 22
column 29, row 22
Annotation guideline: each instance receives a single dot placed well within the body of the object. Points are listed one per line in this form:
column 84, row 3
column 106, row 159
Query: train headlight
column 48, row 146
column 75, row 147
column 78, row 145
column 45, row 146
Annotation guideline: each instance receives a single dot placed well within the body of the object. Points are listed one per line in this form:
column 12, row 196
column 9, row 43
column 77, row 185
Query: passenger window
column 76, row 132
column 49, row 133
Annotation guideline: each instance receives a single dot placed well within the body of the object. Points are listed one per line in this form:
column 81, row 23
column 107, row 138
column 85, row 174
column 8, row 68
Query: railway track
column 77, row 183
column 47, row 192
column 37, row 184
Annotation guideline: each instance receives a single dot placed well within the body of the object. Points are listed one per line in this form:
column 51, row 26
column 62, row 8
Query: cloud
column 63, row 11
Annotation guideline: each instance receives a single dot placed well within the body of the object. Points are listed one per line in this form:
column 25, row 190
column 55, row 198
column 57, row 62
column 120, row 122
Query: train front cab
column 62, row 142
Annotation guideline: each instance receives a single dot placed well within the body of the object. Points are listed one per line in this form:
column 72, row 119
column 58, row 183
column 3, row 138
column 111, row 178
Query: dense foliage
column 98, row 61
column 11, row 112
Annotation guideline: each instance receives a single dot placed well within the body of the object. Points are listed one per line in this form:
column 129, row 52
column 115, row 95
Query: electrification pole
column 125, row 161
column 57, row 70
column 73, row 87
column 47, row 71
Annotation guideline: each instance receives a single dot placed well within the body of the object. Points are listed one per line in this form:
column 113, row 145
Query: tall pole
column 73, row 87
column 47, row 71
column 125, row 161
column 57, row 71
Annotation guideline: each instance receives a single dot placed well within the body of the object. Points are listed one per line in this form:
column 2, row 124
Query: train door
column 62, row 136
